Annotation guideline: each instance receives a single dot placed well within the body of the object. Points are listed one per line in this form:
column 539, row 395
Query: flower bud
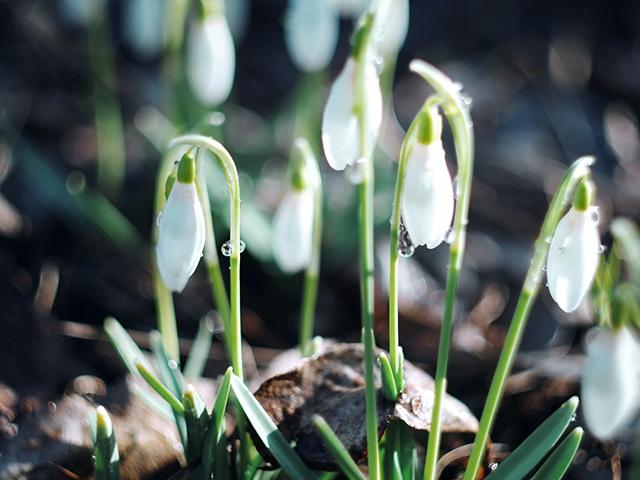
column 181, row 229
column 293, row 230
column 211, row 59
column 311, row 33
column 428, row 198
column 340, row 132
column 610, row 384
column 573, row 257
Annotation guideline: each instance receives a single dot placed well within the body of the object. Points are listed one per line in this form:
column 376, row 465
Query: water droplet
column 601, row 249
column 159, row 219
column 493, row 466
column 405, row 245
column 355, row 172
column 595, row 215
column 544, row 268
column 573, row 417
column 216, row 119
column 378, row 63
column 457, row 86
column 449, row 236
column 227, row 249
column 467, row 100
column 173, row 364
column 548, row 239
column 457, row 188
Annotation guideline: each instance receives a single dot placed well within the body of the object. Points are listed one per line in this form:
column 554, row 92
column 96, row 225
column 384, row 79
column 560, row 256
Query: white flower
column 293, row 230
column 181, row 234
column 573, row 257
column 349, row 8
column 394, row 27
column 143, row 25
column 610, row 384
column 211, row 59
column 340, row 133
column 427, row 201
column 311, row 33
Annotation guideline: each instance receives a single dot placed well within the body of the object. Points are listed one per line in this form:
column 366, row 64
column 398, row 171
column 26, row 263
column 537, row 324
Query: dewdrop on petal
column 428, row 198
column 574, row 252
column 340, row 132
column 611, row 381
column 211, row 57
column 311, row 33
column 181, row 229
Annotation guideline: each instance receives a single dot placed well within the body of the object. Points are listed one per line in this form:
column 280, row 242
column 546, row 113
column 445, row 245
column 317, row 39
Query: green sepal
column 585, row 195
column 389, row 387
column 187, row 168
column 360, row 38
column 430, row 125
column 168, row 185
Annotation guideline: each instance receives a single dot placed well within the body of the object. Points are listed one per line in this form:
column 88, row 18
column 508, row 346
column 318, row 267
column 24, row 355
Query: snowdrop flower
column 428, row 198
column 394, row 28
column 293, row 221
column 574, row 251
column 339, row 122
column 349, row 8
column 611, row 381
column 181, row 229
column 143, row 25
column 211, row 57
column 311, row 33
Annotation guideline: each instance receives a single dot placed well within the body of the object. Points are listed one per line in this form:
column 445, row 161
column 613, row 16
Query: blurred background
column 91, row 92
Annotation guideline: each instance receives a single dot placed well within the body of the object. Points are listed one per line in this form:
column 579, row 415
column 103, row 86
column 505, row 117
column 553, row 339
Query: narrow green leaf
column 215, row 435
column 124, row 345
column 197, row 421
column 337, row 450
column 159, row 387
column 537, row 445
column 199, row 353
column 105, row 448
column 168, row 369
column 560, row 460
column 389, row 388
column 269, row 433
column 399, row 374
column 627, row 237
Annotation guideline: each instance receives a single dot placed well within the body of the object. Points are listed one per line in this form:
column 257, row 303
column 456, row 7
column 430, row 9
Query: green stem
column 457, row 113
column 365, row 195
column 231, row 175
column 311, row 277
column 530, row 288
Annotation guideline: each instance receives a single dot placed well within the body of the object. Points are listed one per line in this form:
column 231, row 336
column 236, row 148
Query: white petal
column 349, row 8
column 181, row 236
column 610, row 384
column 394, row 27
column 293, row 231
column 211, row 60
column 428, row 202
column 573, row 257
column 311, row 33
column 339, row 123
column 144, row 26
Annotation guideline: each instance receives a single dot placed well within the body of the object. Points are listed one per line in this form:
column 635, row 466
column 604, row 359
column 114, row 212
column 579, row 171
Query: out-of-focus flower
column 428, row 197
column 573, row 255
column 237, row 13
column 293, row 230
column 311, row 33
column 611, row 381
column 394, row 27
column 211, row 58
column 349, row 8
column 143, row 26
column 181, row 229
column 81, row 12
column 340, row 135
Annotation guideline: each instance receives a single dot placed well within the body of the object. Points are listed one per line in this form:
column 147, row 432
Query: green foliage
column 337, row 450
column 105, row 447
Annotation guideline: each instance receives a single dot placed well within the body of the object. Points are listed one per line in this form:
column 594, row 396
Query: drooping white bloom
column 311, row 33
column 393, row 27
column 349, row 8
column 143, row 26
column 211, row 59
column 181, row 235
column 339, row 122
column 428, row 199
column 610, row 384
column 573, row 257
column 293, row 230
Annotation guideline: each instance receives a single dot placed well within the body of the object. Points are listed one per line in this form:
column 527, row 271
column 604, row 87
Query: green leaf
column 124, row 345
column 560, row 460
column 337, row 450
column 197, row 421
column 215, row 435
column 389, row 388
column 627, row 237
column 199, row 353
column 269, row 433
column 160, row 388
column 105, row 448
column 168, row 369
column 537, row 445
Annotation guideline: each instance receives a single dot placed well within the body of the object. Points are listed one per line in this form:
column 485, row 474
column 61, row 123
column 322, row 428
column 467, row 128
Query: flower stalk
column 573, row 176
column 456, row 110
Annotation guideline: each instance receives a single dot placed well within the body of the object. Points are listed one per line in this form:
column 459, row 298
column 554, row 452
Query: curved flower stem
column 231, row 175
column 394, row 234
column 212, row 261
column 310, row 289
column 457, row 112
column 530, row 288
column 365, row 195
